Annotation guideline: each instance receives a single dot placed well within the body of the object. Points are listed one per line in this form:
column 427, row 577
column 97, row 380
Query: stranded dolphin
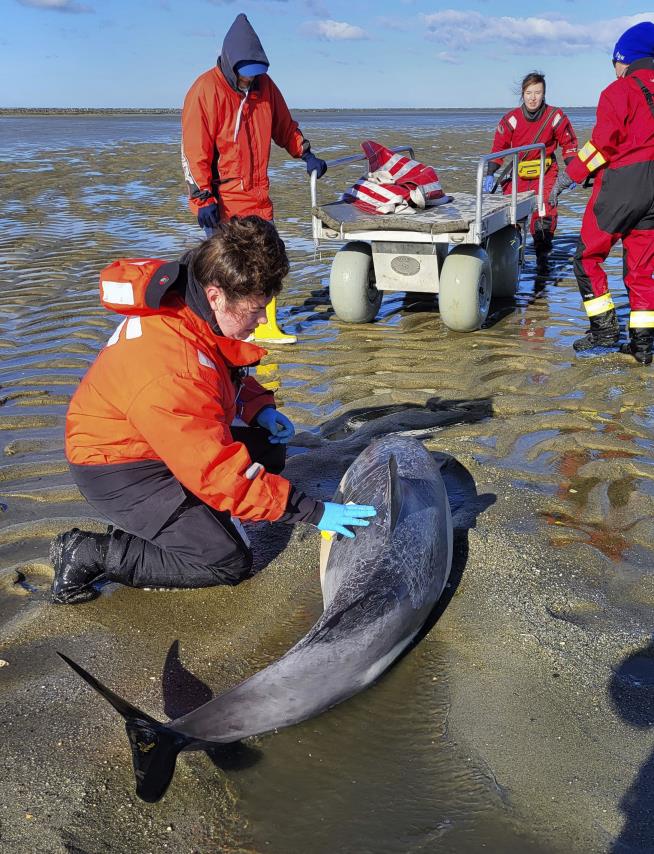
column 378, row 590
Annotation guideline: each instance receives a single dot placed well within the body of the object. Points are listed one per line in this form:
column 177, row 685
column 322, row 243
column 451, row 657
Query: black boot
column 543, row 246
column 78, row 560
column 640, row 345
column 604, row 332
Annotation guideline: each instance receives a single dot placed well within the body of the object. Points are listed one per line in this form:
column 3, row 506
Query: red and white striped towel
column 395, row 183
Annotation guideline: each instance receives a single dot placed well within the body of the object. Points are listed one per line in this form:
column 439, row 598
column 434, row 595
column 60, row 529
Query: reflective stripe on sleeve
column 587, row 151
column 597, row 161
column 253, row 471
column 133, row 328
column 513, row 122
column 591, row 157
column 598, row 305
column 116, row 333
column 641, row 320
column 206, row 361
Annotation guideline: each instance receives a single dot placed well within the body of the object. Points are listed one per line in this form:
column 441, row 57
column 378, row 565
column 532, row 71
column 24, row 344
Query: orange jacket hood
column 150, row 286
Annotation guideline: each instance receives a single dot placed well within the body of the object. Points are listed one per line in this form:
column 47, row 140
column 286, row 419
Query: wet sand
column 520, row 723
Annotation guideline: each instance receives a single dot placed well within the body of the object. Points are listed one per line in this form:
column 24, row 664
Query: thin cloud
column 317, row 7
column 334, row 31
column 547, row 35
column 57, row 5
column 444, row 56
column 398, row 24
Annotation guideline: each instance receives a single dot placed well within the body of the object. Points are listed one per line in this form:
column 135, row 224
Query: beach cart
column 465, row 251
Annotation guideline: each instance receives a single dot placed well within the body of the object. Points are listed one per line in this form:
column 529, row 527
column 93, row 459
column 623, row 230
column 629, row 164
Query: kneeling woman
column 534, row 121
column 169, row 438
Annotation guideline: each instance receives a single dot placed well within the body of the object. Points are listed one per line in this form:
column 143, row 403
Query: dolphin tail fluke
column 154, row 746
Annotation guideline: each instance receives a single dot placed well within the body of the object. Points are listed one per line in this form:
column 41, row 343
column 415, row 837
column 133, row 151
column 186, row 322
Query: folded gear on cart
column 395, row 183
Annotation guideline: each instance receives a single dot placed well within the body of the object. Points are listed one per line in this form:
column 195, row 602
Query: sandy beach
column 522, row 722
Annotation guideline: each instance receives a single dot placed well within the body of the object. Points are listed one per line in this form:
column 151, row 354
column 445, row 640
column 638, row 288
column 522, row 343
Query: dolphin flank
column 378, row 590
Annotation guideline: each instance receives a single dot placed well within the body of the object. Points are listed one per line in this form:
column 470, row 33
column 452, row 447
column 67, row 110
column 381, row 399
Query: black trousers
column 196, row 546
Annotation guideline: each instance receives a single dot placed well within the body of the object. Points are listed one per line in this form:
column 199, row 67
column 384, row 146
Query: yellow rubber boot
column 269, row 332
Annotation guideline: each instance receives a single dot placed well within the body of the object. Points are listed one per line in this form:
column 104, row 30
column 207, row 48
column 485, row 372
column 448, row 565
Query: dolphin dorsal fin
column 393, row 492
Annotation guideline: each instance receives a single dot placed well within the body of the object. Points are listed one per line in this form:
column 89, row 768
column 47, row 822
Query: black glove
column 314, row 164
column 208, row 216
column 563, row 181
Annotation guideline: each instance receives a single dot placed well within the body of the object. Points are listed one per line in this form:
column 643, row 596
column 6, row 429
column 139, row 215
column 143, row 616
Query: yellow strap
column 641, row 320
column 598, row 305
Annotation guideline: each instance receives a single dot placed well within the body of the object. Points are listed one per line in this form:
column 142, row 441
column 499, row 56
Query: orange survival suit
column 226, row 133
column 158, row 436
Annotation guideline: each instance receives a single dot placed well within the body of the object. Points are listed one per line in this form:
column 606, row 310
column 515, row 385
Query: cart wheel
column 464, row 291
column 503, row 250
column 352, row 289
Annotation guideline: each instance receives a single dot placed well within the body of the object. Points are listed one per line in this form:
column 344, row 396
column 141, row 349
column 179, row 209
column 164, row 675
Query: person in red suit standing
column 534, row 121
column 620, row 158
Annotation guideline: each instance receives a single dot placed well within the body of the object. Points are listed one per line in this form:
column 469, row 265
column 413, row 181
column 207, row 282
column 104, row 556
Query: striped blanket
column 395, row 183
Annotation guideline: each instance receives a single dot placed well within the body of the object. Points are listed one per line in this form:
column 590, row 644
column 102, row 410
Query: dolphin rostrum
column 378, row 590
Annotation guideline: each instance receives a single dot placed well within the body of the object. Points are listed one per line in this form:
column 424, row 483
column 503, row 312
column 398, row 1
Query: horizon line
column 4, row 110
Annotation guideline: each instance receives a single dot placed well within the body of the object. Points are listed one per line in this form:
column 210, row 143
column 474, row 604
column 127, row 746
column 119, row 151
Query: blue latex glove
column 208, row 216
column 278, row 425
column 314, row 164
column 337, row 516
column 488, row 183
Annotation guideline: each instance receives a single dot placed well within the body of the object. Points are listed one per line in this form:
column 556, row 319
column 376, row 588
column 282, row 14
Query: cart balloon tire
column 464, row 291
column 352, row 289
column 503, row 250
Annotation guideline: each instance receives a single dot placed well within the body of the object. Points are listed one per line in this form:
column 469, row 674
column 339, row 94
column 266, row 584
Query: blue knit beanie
column 635, row 43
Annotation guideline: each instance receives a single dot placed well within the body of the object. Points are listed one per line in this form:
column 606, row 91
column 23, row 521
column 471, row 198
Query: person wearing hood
column 534, row 121
column 620, row 159
column 168, row 436
column 230, row 116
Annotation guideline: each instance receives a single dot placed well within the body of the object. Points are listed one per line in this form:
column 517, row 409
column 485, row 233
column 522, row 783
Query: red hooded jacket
column 226, row 133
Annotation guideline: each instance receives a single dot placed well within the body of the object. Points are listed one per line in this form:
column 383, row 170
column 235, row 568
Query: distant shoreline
column 170, row 111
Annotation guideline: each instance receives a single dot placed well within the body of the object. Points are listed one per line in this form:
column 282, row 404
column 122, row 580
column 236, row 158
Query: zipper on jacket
column 240, row 113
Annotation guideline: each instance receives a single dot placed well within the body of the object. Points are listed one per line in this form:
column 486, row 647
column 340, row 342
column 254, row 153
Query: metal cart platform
column 466, row 250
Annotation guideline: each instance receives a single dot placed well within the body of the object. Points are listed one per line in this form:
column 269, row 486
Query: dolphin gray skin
column 378, row 590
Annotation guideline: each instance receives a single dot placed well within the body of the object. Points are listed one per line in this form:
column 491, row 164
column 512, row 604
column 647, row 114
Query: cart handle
column 514, row 152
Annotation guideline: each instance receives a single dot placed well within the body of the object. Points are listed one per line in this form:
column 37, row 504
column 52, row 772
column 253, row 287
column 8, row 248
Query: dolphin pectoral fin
column 154, row 746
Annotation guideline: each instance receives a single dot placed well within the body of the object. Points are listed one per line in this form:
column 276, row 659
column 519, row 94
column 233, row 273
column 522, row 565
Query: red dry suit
column 226, row 133
column 553, row 128
column 620, row 156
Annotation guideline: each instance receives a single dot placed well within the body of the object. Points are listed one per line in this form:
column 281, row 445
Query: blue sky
column 323, row 53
